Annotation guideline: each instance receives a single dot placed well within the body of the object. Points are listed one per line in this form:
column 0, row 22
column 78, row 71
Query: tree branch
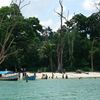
column 97, row 6
column 25, row 5
column 9, row 54
column 8, row 47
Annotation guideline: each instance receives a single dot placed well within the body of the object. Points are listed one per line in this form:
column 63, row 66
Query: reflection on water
column 70, row 89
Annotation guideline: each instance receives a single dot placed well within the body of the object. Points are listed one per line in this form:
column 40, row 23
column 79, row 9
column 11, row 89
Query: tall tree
column 6, row 29
column 60, row 45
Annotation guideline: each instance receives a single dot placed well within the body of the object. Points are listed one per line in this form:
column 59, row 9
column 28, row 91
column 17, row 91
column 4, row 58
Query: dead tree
column 6, row 44
column 92, row 51
column 8, row 40
column 20, row 3
column 92, row 55
column 60, row 45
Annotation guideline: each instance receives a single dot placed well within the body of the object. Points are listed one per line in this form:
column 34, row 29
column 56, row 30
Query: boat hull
column 31, row 78
column 8, row 79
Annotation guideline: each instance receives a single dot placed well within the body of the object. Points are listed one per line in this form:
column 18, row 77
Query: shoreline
column 66, row 75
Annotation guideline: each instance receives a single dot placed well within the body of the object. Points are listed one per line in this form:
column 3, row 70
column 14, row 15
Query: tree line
column 25, row 43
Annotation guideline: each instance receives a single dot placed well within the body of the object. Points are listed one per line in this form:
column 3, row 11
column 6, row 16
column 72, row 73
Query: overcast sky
column 45, row 9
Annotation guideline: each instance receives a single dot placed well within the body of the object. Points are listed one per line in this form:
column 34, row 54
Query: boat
column 8, row 79
column 31, row 77
column 8, row 76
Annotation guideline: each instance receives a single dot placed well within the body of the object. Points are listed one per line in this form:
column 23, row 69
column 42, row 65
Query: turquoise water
column 70, row 89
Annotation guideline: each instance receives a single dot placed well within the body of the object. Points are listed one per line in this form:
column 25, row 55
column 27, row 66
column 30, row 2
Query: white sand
column 69, row 74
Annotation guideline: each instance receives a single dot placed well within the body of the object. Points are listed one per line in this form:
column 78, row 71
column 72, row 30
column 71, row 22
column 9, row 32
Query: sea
column 51, row 89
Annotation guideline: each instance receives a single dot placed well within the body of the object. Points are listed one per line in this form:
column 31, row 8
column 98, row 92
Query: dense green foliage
column 37, row 47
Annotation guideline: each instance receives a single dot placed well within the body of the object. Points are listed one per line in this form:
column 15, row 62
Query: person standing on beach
column 52, row 76
column 26, row 78
column 66, row 76
column 63, row 76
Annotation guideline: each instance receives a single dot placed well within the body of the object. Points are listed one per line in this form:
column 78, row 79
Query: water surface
column 70, row 89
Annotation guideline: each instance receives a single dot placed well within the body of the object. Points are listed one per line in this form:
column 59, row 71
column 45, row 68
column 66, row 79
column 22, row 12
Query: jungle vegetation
column 25, row 43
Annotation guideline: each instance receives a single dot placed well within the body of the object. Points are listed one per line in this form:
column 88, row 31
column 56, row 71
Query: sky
column 45, row 10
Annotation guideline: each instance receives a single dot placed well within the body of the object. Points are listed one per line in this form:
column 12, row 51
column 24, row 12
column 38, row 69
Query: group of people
column 45, row 76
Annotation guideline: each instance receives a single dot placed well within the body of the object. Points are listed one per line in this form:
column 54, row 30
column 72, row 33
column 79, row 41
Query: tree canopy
column 24, row 42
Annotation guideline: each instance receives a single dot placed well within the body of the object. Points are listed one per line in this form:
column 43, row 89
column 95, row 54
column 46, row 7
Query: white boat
column 8, row 76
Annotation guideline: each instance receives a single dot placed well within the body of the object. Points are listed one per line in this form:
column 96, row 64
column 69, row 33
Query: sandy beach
column 68, row 74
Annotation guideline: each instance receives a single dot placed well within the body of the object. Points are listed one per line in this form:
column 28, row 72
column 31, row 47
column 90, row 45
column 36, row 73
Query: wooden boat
column 8, row 76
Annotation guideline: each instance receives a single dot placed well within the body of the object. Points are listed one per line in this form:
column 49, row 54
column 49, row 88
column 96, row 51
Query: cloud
column 70, row 16
column 48, row 22
column 4, row 3
column 89, row 4
column 51, row 24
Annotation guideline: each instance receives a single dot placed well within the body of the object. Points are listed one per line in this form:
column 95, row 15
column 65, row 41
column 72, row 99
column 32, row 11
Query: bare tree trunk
column 71, row 39
column 92, row 67
column 60, row 58
column 91, row 55
column 51, row 63
column 72, row 47
column 60, row 45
